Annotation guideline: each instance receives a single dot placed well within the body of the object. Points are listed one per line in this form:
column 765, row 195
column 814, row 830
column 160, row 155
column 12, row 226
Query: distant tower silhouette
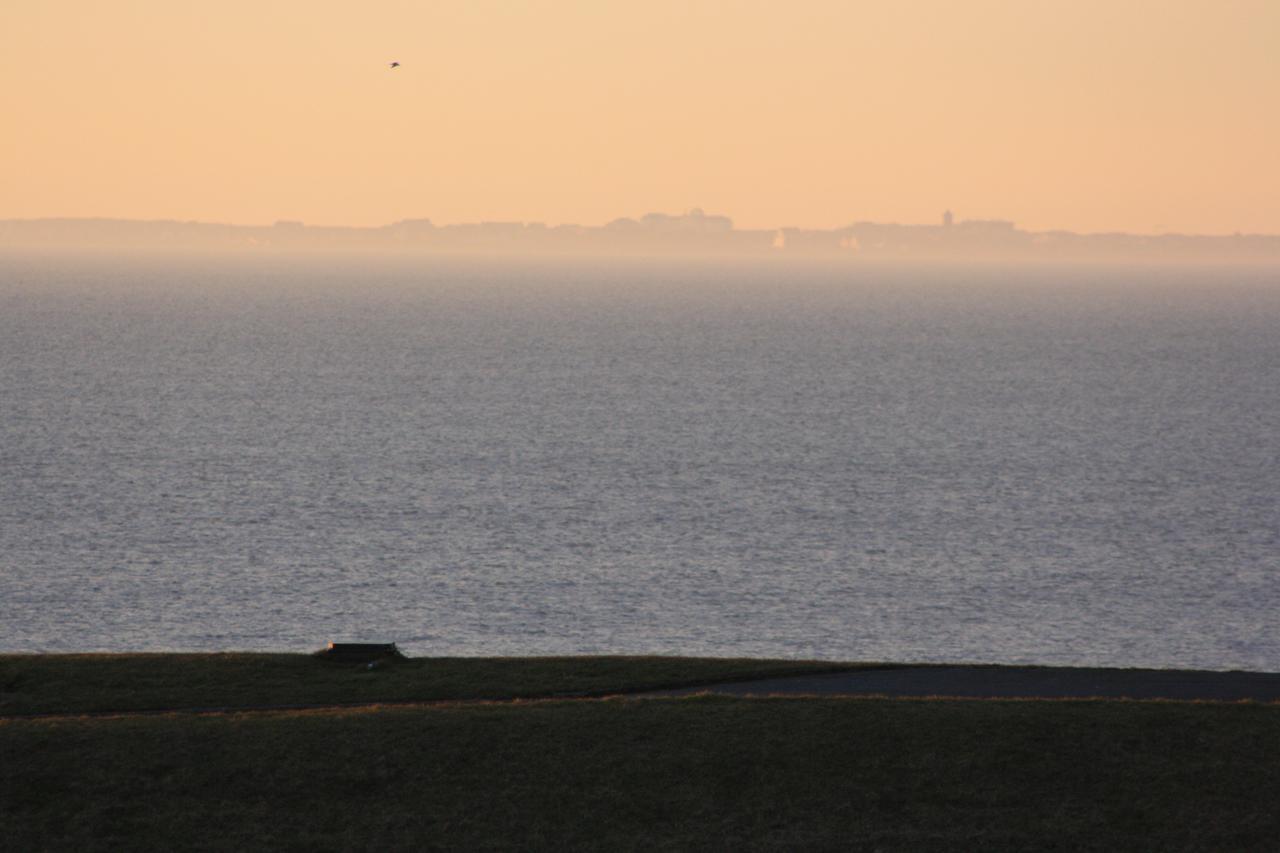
column 947, row 219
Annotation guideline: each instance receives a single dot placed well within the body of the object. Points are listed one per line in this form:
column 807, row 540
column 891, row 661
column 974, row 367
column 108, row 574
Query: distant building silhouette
column 695, row 221
column 694, row 232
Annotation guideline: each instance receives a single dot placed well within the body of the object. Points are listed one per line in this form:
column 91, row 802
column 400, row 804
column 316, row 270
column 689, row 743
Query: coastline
column 51, row 685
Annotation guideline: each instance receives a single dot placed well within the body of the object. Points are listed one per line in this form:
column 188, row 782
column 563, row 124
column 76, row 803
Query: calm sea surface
column 1060, row 466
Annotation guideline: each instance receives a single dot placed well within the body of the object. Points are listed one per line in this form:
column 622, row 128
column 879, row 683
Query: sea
column 1054, row 464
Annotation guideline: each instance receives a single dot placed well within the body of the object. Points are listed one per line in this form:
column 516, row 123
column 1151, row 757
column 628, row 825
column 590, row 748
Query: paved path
column 1012, row 682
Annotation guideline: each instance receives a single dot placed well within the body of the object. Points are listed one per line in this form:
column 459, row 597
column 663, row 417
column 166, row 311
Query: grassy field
column 682, row 774
column 128, row 682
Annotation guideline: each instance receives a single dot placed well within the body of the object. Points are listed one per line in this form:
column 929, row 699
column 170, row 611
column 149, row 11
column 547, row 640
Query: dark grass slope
column 687, row 774
column 128, row 682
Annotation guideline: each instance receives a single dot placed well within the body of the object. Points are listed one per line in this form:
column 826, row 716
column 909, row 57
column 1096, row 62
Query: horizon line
column 691, row 213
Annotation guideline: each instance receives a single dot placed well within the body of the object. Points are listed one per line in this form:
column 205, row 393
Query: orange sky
column 1128, row 115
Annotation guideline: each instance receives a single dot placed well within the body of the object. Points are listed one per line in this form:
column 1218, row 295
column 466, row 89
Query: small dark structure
column 359, row 652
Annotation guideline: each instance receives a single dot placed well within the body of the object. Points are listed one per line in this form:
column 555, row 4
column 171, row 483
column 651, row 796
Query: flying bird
column 394, row 64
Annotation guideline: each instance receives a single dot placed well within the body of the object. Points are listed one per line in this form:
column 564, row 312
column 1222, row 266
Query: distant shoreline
column 693, row 233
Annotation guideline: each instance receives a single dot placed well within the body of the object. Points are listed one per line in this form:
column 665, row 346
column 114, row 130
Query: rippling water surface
column 1075, row 465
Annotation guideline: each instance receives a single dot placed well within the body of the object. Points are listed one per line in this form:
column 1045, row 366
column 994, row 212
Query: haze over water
column 1059, row 465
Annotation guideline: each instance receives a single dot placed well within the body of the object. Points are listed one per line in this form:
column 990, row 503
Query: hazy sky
column 1115, row 114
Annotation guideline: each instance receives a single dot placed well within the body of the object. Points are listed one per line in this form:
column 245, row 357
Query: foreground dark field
column 701, row 773
column 617, row 774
